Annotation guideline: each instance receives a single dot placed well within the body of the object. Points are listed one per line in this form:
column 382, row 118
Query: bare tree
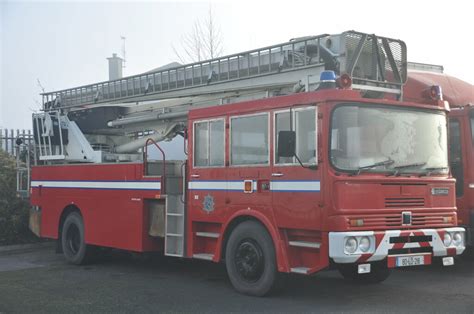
column 203, row 42
column 38, row 103
column 212, row 37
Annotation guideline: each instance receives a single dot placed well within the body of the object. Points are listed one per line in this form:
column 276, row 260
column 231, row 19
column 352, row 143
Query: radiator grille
column 395, row 202
column 394, row 221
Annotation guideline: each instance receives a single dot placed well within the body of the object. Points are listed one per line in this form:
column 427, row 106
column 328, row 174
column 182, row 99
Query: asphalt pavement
column 35, row 279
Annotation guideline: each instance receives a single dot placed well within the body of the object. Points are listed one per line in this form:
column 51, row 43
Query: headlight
column 457, row 239
column 447, row 239
column 351, row 245
column 364, row 244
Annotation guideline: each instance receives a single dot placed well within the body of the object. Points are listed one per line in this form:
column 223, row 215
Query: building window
column 303, row 122
column 209, row 145
column 249, row 140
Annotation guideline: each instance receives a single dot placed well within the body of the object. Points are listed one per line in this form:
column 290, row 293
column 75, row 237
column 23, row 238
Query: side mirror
column 286, row 143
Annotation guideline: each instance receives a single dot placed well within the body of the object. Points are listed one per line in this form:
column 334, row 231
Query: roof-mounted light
column 345, row 81
column 436, row 93
column 327, row 76
column 327, row 80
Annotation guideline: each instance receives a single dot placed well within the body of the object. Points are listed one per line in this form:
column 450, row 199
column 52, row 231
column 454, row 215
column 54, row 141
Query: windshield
column 381, row 138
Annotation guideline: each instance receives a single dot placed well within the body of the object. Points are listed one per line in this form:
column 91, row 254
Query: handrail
column 145, row 161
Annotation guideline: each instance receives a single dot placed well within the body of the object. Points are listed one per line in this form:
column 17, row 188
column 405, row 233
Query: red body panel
column 112, row 217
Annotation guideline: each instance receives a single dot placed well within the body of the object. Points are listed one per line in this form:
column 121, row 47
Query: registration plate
column 405, row 261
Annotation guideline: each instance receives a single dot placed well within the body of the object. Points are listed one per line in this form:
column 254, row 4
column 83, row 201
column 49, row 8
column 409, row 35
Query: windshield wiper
column 415, row 164
column 396, row 171
column 430, row 170
column 377, row 164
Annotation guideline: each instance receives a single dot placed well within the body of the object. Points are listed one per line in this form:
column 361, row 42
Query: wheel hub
column 249, row 260
column 73, row 239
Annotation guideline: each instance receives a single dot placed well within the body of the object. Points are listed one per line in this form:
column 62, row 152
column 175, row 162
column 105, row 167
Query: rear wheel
column 250, row 259
column 74, row 247
column 378, row 272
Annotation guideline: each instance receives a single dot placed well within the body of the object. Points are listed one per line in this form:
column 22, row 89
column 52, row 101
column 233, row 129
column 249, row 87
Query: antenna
column 123, row 38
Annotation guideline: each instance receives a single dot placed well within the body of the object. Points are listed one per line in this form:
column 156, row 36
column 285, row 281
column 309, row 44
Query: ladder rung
column 204, row 256
column 313, row 245
column 52, row 157
column 174, row 214
column 299, row 270
column 208, row 234
column 174, row 235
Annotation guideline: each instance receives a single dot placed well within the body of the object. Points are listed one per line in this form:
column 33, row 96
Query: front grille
column 430, row 219
column 394, row 221
column 395, row 202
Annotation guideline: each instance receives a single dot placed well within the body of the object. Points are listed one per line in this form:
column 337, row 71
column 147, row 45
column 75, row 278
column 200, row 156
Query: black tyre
column 378, row 273
column 468, row 253
column 250, row 260
column 75, row 249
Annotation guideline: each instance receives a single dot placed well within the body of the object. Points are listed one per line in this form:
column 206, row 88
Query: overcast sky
column 65, row 44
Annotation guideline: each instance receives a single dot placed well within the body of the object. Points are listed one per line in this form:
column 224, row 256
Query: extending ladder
column 371, row 60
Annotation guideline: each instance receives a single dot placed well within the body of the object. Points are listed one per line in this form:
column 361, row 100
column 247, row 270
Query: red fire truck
column 460, row 96
column 299, row 156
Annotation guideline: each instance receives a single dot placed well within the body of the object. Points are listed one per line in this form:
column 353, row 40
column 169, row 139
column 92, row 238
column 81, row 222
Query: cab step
column 312, row 245
column 300, row 270
column 204, row 256
column 214, row 235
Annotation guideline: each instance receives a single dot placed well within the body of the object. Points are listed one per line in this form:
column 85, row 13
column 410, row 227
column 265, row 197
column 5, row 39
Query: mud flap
column 34, row 222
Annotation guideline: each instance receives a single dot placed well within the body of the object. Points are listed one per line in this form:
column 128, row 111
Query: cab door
column 249, row 163
column 207, row 188
column 456, row 156
column 296, row 188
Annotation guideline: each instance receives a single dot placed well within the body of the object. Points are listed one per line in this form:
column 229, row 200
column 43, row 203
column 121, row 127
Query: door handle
column 277, row 174
column 195, row 176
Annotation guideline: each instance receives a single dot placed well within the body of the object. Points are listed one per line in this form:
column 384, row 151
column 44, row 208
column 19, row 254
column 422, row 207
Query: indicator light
column 248, row 186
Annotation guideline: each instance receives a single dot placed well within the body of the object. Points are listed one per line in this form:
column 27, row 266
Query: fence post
column 8, row 139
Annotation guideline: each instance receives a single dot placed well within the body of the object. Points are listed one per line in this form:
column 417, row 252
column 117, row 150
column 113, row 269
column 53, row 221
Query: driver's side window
column 303, row 122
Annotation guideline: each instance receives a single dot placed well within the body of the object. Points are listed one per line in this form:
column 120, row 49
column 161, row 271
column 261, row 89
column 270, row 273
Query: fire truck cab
column 460, row 96
column 337, row 170
column 461, row 126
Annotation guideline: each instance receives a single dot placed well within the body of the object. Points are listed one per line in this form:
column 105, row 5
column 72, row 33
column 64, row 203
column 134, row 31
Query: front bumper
column 394, row 242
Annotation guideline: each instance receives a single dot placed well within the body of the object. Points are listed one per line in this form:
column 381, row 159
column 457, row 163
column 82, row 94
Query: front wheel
column 250, row 259
column 378, row 273
column 75, row 249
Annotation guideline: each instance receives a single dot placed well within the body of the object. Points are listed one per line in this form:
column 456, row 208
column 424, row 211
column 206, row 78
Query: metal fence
column 8, row 140
column 20, row 145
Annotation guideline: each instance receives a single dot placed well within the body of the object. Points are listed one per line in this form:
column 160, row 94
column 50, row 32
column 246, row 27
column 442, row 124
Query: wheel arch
column 246, row 215
column 71, row 208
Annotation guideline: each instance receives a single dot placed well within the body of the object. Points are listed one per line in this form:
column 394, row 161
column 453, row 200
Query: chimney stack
column 115, row 67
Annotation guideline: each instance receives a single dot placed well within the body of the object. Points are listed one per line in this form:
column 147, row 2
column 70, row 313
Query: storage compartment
column 156, row 210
